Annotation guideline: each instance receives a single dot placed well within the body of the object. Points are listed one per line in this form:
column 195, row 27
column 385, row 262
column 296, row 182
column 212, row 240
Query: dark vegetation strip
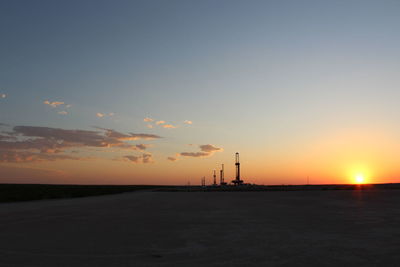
column 25, row 192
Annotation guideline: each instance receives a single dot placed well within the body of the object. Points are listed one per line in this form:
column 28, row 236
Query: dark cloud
column 142, row 146
column 131, row 136
column 195, row 154
column 144, row 158
column 209, row 148
column 144, row 136
column 172, row 159
column 28, row 140
column 134, row 159
column 128, row 146
column 206, row 151
column 62, row 136
column 147, row 158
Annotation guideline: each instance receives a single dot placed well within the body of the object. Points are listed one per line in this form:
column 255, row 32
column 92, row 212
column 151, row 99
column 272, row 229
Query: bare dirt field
column 297, row 228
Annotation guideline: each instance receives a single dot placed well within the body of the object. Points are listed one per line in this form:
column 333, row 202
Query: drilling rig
column 221, row 176
column 237, row 180
column 215, row 179
column 203, row 181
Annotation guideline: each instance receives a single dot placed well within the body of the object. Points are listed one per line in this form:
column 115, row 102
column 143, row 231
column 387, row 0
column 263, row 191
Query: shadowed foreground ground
column 27, row 192
column 299, row 228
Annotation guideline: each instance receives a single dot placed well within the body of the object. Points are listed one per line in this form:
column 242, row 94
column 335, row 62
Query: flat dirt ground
column 298, row 228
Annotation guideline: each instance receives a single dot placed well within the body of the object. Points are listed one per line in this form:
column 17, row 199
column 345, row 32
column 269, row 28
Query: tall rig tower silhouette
column 237, row 180
column 215, row 179
column 221, row 176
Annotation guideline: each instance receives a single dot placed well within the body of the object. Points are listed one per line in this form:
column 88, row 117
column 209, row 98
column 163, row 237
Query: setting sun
column 359, row 179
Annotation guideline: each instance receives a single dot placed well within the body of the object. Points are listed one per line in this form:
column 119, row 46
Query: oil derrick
column 203, row 181
column 221, row 176
column 237, row 180
column 215, row 179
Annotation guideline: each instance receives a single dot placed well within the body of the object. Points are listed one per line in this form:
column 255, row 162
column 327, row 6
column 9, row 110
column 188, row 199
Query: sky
column 164, row 92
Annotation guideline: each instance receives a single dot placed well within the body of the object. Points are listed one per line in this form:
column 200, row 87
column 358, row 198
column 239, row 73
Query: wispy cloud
column 172, row 159
column 205, row 151
column 101, row 115
column 188, row 122
column 57, row 104
column 53, row 104
column 168, row 126
column 161, row 123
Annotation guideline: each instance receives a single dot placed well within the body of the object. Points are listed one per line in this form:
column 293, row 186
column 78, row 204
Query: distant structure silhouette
column 215, row 179
column 221, row 176
column 237, row 180
column 203, row 181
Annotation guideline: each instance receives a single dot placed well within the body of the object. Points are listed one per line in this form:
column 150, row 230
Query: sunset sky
column 163, row 92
